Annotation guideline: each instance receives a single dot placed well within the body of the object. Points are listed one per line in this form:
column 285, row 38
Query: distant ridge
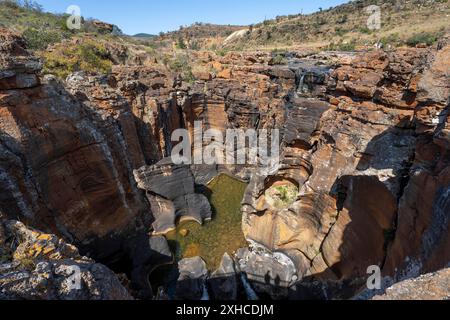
column 144, row 35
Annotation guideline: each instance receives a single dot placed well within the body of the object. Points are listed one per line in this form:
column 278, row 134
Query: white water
column 251, row 294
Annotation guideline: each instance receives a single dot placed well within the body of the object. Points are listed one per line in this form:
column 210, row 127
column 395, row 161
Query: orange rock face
column 69, row 149
column 62, row 171
column 377, row 189
column 365, row 144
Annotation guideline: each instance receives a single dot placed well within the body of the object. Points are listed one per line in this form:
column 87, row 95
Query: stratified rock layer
column 365, row 145
column 372, row 170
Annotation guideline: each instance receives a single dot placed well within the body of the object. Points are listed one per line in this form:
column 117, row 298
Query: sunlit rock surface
column 364, row 176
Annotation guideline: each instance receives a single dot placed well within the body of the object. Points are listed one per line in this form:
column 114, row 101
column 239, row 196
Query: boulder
column 270, row 273
column 191, row 284
column 43, row 267
column 433, row 286
column 225, row 74
column 166, row 179
column 171, row 193
column 147, row 253
column 224, row 281
column 17, row 68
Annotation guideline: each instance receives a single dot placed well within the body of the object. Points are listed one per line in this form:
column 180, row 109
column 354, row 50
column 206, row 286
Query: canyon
column 87, row 180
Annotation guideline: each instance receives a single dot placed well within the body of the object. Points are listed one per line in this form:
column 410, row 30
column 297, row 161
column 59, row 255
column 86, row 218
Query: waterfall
column 250, row 293
column 301, row 84
column 205, row 296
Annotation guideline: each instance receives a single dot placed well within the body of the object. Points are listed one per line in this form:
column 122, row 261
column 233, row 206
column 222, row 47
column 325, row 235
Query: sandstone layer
column 364, row 176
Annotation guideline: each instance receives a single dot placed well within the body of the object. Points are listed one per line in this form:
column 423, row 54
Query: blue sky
column 134, row 16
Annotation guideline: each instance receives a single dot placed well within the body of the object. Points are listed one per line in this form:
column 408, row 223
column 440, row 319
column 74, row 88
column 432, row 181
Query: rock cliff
column 364, row 177
column 373, row 177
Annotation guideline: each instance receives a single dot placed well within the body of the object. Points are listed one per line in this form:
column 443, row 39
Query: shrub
column 27, row 263
column 340, row 32
column 349, row 46
column 278, row 59
column 422, row 38
column 365, row 30
column 221, row 52
column 181, row 64
column 180, row 44
column 40, row 39
column 342, row 19
column 10, row 4
column 392, row 39
column 195, row 45
column 89, row 56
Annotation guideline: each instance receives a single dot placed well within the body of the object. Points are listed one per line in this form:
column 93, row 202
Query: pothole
column 281, row 194
column 223, row 234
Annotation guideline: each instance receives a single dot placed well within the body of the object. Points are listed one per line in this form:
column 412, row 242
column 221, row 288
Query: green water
column 220, row 235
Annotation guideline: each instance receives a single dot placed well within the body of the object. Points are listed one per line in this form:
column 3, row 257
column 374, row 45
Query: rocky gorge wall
column 373, row 178
column 365, row 152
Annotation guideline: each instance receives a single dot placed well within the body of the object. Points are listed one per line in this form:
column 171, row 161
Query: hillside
column 201, row 30
column 143, row 35
column 200, row 35
column 41, row 29
column 343, row 27
column 347, row 23
column 340, row 28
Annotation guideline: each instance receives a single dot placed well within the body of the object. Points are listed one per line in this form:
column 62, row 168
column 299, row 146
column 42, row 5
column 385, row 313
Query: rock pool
column 222, row 234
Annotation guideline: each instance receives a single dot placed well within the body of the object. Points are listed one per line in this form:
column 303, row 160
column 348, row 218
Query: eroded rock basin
column 223, row 234
column 210, row 241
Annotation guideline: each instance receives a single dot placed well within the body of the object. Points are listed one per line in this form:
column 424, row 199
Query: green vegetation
column 181, row 44
column 222, row 234
column 41, row 29
column 38, row 39
column 144, row 35
column 348, row 23
column 88, row 55
column 180, row 63
column 222, row 52
column 423, row 38
column 365, row 30
column 27, row 263
column 279, row 59
column 342, row 46
column 195, row 45
column 391, row 40
column 282, row 194
column 340, row 32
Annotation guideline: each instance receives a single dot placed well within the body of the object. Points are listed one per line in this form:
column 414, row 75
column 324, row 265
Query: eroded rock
column 44, row 267
column 225, row 280
column 191, row 283
column 171, row 193
column 434, row 286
